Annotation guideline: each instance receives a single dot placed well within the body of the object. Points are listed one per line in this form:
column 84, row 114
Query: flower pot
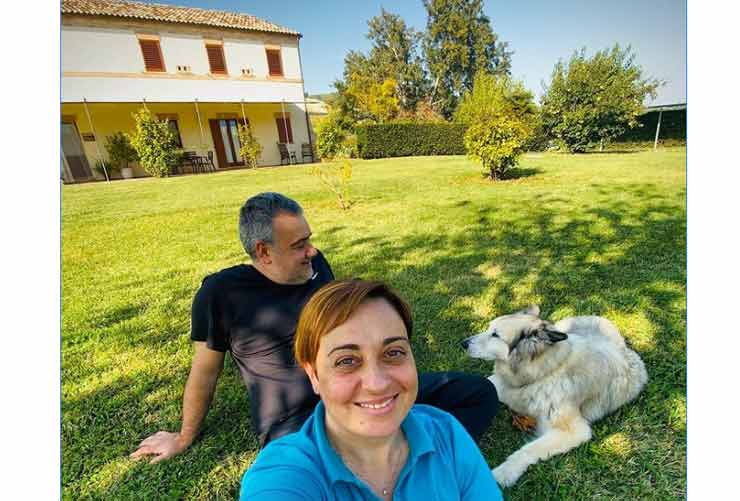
column 127, row 173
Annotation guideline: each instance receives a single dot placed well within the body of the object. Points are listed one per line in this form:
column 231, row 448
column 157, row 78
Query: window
column 216, row 59
column 172, row 123
column 285, row 133
column 274, row 64
column 152, row 53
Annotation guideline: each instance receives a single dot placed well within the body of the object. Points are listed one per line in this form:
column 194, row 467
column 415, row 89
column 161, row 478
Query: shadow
column 521, row 172
column 623, row 256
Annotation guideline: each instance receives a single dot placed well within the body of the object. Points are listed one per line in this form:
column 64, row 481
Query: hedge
column 410, row 139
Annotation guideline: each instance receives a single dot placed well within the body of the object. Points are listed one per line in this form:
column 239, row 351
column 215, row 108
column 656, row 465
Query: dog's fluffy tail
column 589, row 326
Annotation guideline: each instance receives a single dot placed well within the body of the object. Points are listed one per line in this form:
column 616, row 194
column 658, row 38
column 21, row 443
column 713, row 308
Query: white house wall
column 102, row 61
column 133, row 89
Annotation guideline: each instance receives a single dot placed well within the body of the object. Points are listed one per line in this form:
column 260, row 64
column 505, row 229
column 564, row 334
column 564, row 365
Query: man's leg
column 472, row 399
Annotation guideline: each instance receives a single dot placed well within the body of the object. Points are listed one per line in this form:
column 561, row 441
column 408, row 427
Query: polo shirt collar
column 419, row 444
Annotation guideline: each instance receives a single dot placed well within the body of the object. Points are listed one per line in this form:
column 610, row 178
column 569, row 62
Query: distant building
column 205, row 71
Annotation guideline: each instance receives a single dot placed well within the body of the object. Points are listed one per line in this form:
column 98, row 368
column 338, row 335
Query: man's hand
column 162, row 445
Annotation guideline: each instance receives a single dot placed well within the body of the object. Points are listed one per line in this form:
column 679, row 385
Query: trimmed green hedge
column 410, row 139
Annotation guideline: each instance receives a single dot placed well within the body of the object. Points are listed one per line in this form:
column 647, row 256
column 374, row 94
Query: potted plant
column 121, row 153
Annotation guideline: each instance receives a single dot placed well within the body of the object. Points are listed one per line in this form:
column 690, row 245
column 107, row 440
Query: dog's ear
column 532, row 309
column 548, row 333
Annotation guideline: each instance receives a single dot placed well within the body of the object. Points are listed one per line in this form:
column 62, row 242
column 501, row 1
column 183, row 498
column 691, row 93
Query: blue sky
column 538, row 31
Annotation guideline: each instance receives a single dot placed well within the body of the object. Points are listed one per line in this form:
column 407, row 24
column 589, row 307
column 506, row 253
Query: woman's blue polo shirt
column 444, row 464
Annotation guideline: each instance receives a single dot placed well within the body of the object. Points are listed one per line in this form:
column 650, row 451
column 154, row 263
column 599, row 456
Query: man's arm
column 199, row 389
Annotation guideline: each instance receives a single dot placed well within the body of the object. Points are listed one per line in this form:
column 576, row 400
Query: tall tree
column 458, row 43
column 593, row 100
column 394, row 54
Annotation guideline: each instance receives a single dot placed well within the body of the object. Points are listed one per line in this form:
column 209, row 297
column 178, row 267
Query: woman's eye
column 344, row 362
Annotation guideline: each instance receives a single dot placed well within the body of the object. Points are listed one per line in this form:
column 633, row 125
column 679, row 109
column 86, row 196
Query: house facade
column 204, row 71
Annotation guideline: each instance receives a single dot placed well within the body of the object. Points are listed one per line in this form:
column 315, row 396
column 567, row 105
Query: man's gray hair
column 256, row 215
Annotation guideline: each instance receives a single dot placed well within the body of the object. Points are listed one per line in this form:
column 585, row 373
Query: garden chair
column 285, row 154
column 306, row 151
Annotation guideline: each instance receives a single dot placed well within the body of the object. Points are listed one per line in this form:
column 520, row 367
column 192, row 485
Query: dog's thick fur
column 566, row 375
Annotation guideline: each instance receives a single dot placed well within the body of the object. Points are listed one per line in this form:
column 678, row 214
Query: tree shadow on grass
column 619, row 258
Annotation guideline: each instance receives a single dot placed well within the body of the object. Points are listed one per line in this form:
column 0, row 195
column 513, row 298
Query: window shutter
column 216, row 59
column 273, row 63
column 152, row 55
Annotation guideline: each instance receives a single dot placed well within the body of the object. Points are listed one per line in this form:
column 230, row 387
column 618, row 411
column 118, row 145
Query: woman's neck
column 365, row 451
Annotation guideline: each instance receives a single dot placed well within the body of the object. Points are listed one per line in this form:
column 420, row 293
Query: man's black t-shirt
column 240, row 310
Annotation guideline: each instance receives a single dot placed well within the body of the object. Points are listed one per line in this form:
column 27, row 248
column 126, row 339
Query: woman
column 366, row 439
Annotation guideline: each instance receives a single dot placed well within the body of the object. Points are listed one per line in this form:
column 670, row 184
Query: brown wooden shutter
column 282, row 125
column 273, row 63
column 152, row 55
column 216, row 59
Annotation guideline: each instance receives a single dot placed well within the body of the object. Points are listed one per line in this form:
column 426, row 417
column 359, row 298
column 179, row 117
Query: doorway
column 74, row 154
column 225, row 134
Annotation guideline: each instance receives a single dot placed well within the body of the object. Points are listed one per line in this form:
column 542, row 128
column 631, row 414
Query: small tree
column 120, row 151
column 592, row 101
column 155, row 143
column 250, row 149
column 495, row 95
column 332, row 132
column 497, row 143
column 336, row 178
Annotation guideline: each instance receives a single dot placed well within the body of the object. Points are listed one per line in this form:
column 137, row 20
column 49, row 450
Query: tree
column 458, row 43
column 155, row 143
column 592, row 101
column 250, row 149
column 389, row 79
column 497, row 143
column 394, row 54
column 120, row 151
column 495, row 95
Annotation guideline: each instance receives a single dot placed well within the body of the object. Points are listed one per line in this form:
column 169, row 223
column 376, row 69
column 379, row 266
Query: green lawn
column 600, row 234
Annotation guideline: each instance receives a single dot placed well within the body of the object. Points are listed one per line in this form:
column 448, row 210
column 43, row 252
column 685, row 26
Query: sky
column 540, row 32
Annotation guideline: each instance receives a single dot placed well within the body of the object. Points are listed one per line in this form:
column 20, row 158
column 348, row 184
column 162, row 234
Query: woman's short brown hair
column 333, row 304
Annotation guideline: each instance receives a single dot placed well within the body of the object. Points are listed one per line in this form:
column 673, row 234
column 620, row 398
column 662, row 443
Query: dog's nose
column 465, row 343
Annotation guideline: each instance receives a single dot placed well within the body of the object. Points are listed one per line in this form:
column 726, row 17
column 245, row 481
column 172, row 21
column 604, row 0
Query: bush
column 119, row 151
column 155, row 143
column 410, row 139
column 331, row 133
column 250, row 149
column 497, row 143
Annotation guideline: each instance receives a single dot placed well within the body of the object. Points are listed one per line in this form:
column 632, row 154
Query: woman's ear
column 311, row 372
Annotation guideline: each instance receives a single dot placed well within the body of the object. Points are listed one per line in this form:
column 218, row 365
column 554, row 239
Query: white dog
column 566, row 375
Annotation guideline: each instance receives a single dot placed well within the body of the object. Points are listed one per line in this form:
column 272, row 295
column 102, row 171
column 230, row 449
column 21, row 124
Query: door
column 73, row 152
column 225, row 134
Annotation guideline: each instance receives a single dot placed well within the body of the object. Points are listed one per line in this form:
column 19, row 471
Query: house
column 204, row 71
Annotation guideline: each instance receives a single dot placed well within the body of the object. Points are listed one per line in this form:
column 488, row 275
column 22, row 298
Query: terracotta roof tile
column 172, row 14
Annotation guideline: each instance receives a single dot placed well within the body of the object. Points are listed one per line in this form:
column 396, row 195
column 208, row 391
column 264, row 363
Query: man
column 252, row 311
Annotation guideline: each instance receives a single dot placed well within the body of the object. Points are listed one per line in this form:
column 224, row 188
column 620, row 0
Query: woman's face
column 365, row 373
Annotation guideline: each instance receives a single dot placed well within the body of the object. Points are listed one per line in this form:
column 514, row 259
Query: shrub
column 155, row 143
column 410, row 139
column 120, row 151
column 331, row 133
column 495, row 95
column 497, row 143
column 250, row 149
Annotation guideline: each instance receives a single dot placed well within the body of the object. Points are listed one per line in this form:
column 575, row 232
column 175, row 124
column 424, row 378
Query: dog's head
column 521, row 334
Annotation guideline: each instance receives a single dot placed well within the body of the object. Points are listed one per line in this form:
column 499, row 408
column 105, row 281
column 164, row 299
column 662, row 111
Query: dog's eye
column 494, row 334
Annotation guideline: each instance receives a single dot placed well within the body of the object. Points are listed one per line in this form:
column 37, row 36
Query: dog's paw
column 506, row 474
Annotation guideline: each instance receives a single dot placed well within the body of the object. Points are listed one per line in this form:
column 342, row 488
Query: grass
column 600, row 234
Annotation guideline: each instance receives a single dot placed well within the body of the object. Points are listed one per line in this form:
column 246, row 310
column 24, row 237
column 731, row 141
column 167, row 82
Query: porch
column 205, row 130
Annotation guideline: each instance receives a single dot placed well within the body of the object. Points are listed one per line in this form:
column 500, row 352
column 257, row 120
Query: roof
column 666, row 107
column 172, row 14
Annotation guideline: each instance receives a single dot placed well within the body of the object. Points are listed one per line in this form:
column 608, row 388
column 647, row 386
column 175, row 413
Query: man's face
column 289, row 256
